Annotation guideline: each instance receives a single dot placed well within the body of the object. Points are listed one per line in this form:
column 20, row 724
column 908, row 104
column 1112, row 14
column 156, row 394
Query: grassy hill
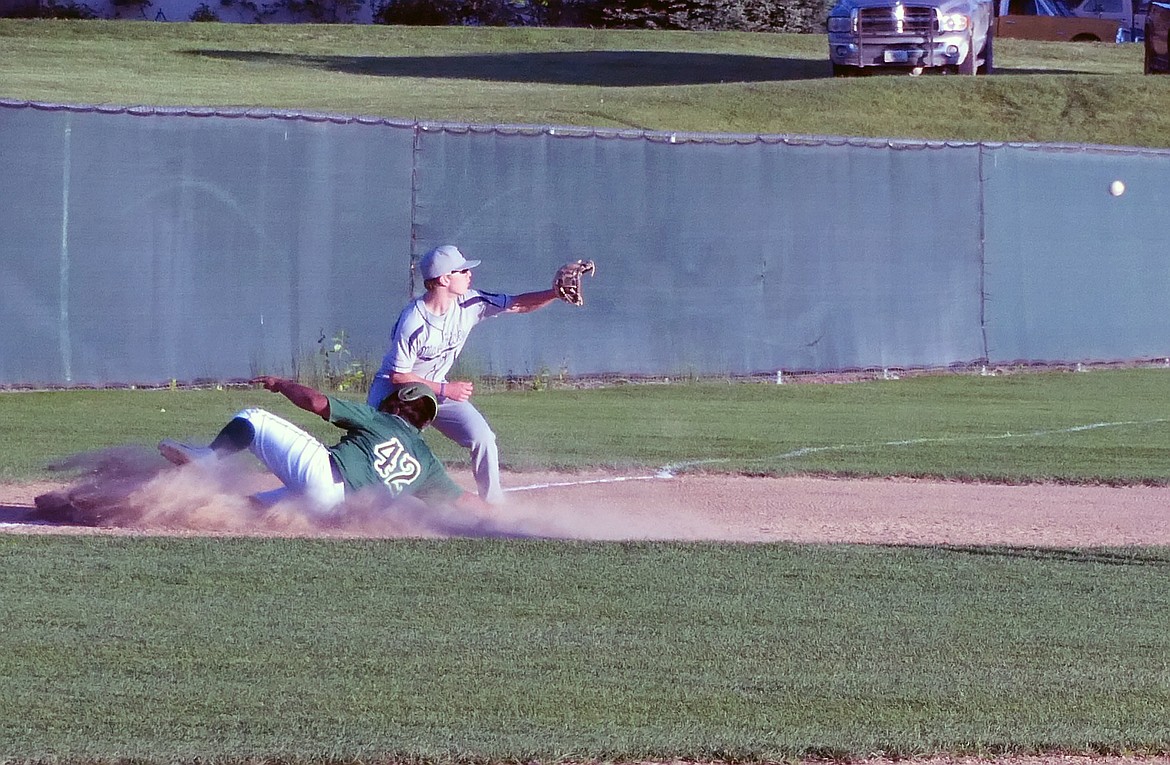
column 685, row 81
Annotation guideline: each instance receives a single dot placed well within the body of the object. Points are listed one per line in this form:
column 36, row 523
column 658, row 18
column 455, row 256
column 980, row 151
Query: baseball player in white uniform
column 428, row 337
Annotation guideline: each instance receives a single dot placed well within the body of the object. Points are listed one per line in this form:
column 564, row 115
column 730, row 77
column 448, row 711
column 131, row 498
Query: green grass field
column 1097, row 426
column 166, row 650
column 685, row 81
column 183, row 650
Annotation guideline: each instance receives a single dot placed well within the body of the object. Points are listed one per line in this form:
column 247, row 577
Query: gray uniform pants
column 461, row 422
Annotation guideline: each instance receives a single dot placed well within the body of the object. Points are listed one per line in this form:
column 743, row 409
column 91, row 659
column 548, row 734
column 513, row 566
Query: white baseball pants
column 299, row 460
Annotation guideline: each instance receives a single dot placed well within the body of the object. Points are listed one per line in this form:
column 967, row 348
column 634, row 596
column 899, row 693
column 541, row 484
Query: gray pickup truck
column 951, row 35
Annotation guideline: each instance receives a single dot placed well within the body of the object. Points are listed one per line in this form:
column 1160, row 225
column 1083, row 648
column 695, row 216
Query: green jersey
column 380, row 448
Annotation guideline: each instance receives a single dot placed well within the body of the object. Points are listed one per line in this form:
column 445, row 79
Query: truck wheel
column 988, row 65
column 967, row 65
column 1148, row 58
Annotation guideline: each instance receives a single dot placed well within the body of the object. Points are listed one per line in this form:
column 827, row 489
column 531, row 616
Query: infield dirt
column 598, row 505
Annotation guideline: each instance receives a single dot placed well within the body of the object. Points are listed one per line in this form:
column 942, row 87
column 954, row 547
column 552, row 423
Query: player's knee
column 237, row 435
column 484, row 439
column 247, row 422
column 249, row 414
column 379, row 389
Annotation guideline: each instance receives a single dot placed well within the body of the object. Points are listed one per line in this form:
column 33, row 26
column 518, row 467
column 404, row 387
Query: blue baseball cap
column 444, row 260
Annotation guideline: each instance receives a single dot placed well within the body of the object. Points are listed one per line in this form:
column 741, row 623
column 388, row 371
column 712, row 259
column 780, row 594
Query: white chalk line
column 959, row 439
column 669, row 471
column 661, row 474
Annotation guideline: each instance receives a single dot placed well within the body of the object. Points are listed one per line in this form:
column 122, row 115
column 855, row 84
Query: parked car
column 1130, row 13
column 1051, row 20
column 1157, row 38
column 946, row 35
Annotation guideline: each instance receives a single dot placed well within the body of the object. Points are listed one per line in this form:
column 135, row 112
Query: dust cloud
column 133, row 491
column 133, row 488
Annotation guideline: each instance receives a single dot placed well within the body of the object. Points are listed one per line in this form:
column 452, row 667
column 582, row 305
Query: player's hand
column 458, row 390
column 269, row 382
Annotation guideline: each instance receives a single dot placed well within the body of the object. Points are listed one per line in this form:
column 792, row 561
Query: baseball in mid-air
column 1117, row 188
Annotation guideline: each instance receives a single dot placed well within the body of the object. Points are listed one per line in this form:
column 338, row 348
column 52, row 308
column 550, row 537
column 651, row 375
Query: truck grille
column 916, row 20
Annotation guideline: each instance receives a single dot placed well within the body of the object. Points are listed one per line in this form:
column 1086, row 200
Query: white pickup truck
column 952, row 35
column 947, row 35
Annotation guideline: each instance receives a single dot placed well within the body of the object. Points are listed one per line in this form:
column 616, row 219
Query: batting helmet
column 414, row 402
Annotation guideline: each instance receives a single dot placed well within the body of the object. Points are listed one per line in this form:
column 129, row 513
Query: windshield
column 1059, row 8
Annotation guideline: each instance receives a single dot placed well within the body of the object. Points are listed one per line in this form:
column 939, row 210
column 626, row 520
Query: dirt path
column 608, row 506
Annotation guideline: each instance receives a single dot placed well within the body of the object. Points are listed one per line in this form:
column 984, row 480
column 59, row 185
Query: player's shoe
column 183, row 454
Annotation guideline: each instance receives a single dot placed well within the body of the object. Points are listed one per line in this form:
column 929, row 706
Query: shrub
column 416, row 13
column 320, row 11
column 69, row 10
column 204, row 13
column 708, row 15
column 705, row 15
column 490, row 12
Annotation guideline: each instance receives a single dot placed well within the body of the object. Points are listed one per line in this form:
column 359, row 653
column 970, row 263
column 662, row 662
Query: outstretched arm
column 309, row 399
column 531, row 301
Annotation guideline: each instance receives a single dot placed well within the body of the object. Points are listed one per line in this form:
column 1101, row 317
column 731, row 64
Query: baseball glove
column 567, row 282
